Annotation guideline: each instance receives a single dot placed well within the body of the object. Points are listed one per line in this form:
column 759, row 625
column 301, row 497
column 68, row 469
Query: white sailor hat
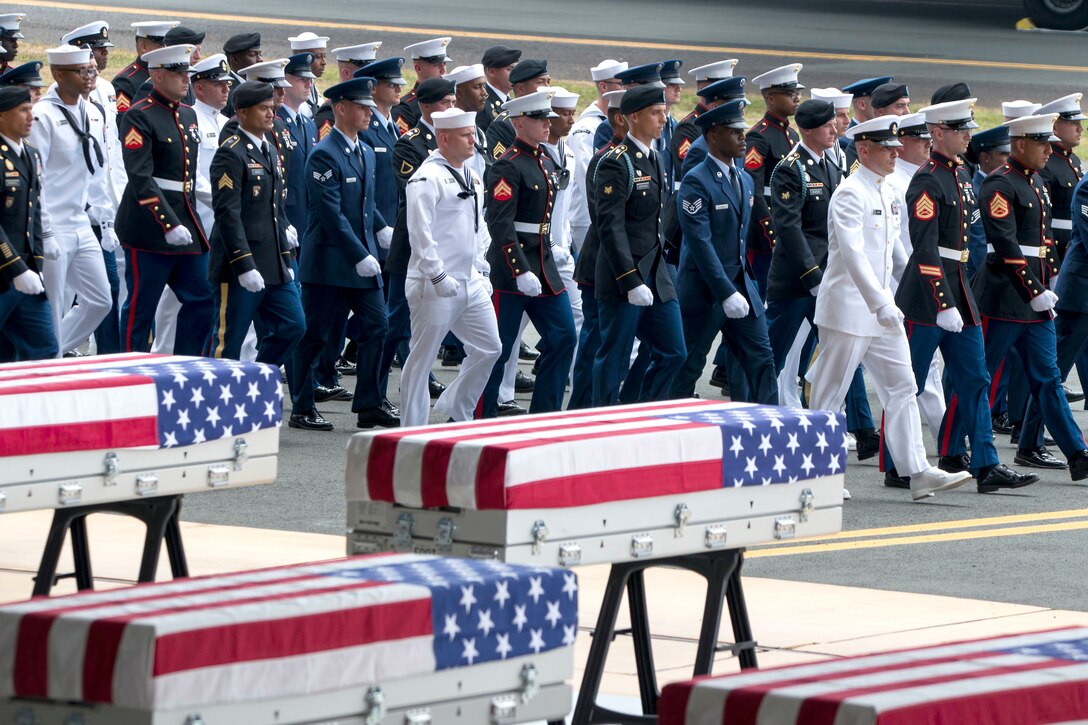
column 212, row 68
column 954, row 114
column 96, row 35
column 10, row 23
column 1019, row 109
column 782, row 77
column 1067, row 108
column 883, row 130
column 833, row 96
column 358, row 54
column 269, row 71
column 307, row 41
column 154, row 29
column 607, row 69
column 431, row 51
column 68, row 55
column 914, row 125
column 465, row 73
column 172, row 57
column 1037, row 127
column 614, row 98
column 453, row 118
column 534, row 105
column 564, row 99
column 714, row 71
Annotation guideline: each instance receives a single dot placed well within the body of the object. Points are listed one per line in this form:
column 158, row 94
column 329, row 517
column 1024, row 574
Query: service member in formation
column 842, row 102
column 498, row 61
column 715, row 284
column 26, row 321
column 528, row 76
column 211, row 82
column 674, row 85
column 315, row 45
column 157, row 222
column 712, row 95
column 856, row 314
column 178, row 35
column 252, row 241
column 686, row 131
column 150, row 35
column 638, row 75
column 1062, row 170
column 242, row 50
column 447, row 287
column 1012, row 288
column 861, row 93
column 989, row 150
column 522, row 184
column 338, row 261
column 936, row 298
column 383, row 134
column 10, row 35
column 634, row 290
column 349, row 60
column 887, row 99
column 429, row 60
column 299, row 75
column 471, row 91
column 28, row 76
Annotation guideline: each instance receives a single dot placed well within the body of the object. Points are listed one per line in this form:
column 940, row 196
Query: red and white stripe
column 965, row 682
column 572, row 458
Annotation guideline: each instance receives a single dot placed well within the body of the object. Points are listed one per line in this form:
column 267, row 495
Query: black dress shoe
column 1072, row 396
column 389, row 407
column 345, row 366
column 398, row 363
column 436, row 388
column 1078, row 465
column 510, row 407
column 1001, row 476
column 527, row 353
column 310, row 420
column 1001, row 423
column 1014, row 437
column 451, row 356
column 868, row 443
column 323, row 394
column 892, row 479
column 1038, row 458
column 523, row 383
column 955, row 464
column 719, row 378
column 377, row 417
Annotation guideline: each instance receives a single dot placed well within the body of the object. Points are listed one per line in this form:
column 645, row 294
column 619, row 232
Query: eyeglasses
column 81, row 72
column 793, row 95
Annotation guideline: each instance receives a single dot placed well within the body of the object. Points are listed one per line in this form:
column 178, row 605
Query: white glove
column 179, row 236
column 109, row 237
column 290, row 274
column 1045, row 301
column 292, row 236
column 560, row 254
column 488, row 287
column 50, row 248
column 950, row 320
column 447, row 287
column 29, row 283
column 735, row 306
column 251, row 281
column 528, row 284
column 889, row 316
column 640, row 296
column 815, row 290
column 368, row 267
column 385, row 237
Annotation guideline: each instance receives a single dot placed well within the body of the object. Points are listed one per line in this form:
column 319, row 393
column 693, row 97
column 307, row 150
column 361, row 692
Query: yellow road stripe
column 525, row 38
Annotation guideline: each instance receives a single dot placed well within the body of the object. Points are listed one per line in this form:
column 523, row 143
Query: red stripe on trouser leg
column 950, row 422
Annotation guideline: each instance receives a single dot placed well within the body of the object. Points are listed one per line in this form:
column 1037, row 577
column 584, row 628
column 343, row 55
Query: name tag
column 211, row 134
column 878, row 212
column 721, row 206
column 351, row 179
column 380, row 149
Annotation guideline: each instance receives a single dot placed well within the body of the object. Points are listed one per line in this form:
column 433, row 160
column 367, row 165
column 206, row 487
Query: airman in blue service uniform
column 429, row 60
column 715, row 286
column 528, row 76
column 157, row 221
column 382, row 134
column 252, row 240
column 522, row 184
column 686, row 131
column 28, row 75
column 303, row 133
column 242, row 50
column 26, row 321
column 1012, row 286
column 638, row 75
column 674, row 85
column 349, row 60
column 10, row 35
column 150, row 35
column 338, row 262
column 862, row 92
column 498, row 62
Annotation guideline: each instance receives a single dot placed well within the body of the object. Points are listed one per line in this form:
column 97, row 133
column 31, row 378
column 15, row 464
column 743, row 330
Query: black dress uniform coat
column 20, row 214
column 682, row 138
column 585, row 269
column 522, row 185
column 492, row 108
column 280, row 137
column 801, row 189
column 406, row 114
column 250, row 218
column 940, row 206
column 769, row 141
column 408, row 153
column 160, row 139
column 1016, row 215
column 127, row 83
column 500, row 136
column 1061, row 174
column 629, row 191
column 324, row 120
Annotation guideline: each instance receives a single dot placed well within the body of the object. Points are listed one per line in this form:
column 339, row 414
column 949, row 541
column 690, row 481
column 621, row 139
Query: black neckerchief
column 465, row 193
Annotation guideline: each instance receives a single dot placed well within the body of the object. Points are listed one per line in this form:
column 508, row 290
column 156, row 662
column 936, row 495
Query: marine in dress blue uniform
column 429, row 60
column 150, row 35
column 178, row 35
column 528, row 76
column 10, row 35
column 686, row 131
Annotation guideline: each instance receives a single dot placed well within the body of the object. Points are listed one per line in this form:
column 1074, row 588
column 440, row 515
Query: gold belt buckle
column 187, row 186
column 545, row 228
column 965, row 254
column 1043, row 251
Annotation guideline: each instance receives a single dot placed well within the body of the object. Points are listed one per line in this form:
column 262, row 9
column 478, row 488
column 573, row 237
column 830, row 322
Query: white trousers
column 887, row 361
column 471, row 316
column 166, row 322
column 931, row 401
column 79, row 272
column 788, row 394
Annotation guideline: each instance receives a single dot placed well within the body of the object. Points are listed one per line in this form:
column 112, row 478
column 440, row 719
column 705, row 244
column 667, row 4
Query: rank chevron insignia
column 225, row 182
column 693, row 207
column 682, row 152
column 134, row 139
column 999, row 206
column 753, row 159
column 924, row 208
column 322, row 178
column 502, row 191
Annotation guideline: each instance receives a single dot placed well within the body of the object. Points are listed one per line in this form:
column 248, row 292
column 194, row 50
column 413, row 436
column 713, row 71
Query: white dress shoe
column 851, row 442
column 845, row 495
column 934, row 479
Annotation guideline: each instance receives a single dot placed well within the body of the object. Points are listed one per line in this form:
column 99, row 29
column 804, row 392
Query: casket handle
column 375, row 706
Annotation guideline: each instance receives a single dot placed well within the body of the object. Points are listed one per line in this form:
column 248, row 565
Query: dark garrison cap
column 886, row 94
column 814, row 113
column 951, row 92
column 639, row 97
column 13, row 97
column 242, row 42
column 528, row 69
column 499, row 56
column 180, row 35
column 251, row 93
column 433, row 90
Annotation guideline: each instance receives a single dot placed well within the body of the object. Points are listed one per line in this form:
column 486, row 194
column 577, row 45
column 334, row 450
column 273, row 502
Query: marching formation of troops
column 220, row 206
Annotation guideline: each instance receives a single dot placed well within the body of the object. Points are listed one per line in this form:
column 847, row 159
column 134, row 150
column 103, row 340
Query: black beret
column 951, row 92
column 242, row 42
column 814, row 113
column 528, row 69
column 250, row 94
column 499, row 56
column 433, row 90
column 13, row 97
column 886, row 94
column 180, row 35
column 639, row 97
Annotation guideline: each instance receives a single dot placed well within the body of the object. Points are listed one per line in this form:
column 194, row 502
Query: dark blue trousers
column 589, row 341
column 277, row 310
column 400, row 326
column 147, row 274
column 658, row 326
column 26, row 324
column 1071, row 329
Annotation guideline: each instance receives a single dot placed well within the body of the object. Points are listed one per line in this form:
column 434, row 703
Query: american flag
column 585, row 457
column 133, row 400
column 1040, row 677
column 281, row 632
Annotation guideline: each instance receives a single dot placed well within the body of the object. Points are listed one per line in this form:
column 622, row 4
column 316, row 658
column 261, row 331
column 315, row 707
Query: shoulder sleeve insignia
column 502, row 191
column 854, row 166
column 498, row 151
column 123, row 102
column 692, row 207
column 323, row 131
column 225, row 182
column 753, row 159
column 608, row 190
column 682, row 152
column 403, row 125
column 924, row 208
column 134, row 139
column 406, row 168
column 999, row 206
